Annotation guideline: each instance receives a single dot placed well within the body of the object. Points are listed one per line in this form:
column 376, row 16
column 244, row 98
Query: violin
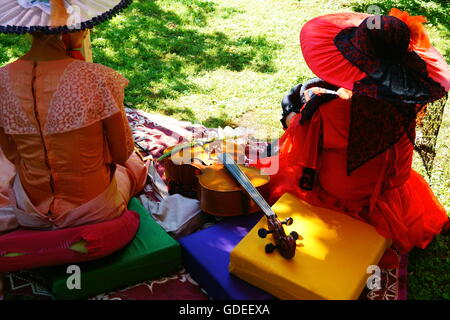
column 183, row 161
column 195, row 169
column 285, row 244
column 221, row 195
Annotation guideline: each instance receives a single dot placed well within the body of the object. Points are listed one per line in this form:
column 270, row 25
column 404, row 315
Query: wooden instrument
column 184, row 161
column 285, row 244
column 219, row 193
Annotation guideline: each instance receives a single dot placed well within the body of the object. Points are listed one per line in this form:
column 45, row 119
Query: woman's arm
column 119, row 137
column 8, row 146
column 289, row 118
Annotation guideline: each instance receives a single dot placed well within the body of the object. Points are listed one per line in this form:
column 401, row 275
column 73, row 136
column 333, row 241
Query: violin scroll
column 285, row 244
column 262, row 233
column 270, row 247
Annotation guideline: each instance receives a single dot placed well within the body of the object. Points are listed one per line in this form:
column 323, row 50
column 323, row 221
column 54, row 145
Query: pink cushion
column 45, row 248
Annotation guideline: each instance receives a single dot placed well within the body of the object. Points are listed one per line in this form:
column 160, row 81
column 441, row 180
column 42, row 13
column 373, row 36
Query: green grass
column 229, row 62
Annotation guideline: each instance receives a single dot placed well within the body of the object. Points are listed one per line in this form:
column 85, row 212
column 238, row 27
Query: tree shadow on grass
column 187, row 114
column 447, row 55
column 159, row 50
column 216, row 122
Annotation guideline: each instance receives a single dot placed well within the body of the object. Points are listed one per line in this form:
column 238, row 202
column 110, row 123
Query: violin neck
column 244, row 181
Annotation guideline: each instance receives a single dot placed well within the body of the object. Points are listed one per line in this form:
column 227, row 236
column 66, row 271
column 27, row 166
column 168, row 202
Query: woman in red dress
column 350, row 148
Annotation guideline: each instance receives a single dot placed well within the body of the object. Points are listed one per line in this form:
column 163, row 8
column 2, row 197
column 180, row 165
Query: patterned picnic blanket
column 155, row 133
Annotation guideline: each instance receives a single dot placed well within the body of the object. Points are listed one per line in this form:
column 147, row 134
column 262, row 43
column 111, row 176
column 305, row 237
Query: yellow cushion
column 330, row 262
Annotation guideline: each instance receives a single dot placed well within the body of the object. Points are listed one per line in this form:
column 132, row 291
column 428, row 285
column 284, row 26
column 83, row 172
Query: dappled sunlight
column 229, row 63
column 222, row 244
column 317, row 234
column 161, row 46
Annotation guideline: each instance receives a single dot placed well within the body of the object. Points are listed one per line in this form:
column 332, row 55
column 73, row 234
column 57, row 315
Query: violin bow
column 139, row 150
column 183, row 146
column 285, row 244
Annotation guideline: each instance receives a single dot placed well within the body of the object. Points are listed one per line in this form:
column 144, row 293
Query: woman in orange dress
column 349, row 146
column 63, row 124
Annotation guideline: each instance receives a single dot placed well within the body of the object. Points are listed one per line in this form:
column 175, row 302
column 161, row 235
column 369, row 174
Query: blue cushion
column 206, row 256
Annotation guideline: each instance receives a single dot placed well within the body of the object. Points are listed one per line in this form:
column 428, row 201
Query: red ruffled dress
column 385, row 192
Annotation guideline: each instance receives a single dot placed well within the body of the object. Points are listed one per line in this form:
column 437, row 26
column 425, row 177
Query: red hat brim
column 326, row 61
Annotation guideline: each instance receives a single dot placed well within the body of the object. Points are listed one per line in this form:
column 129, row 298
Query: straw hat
column 56, row 16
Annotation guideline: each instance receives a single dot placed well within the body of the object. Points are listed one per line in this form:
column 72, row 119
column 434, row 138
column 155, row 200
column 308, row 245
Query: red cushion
column 46, row 248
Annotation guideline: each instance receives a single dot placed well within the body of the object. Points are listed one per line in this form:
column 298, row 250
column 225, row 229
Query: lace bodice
column 86, row 93
column 13, row 118
column 57, row 117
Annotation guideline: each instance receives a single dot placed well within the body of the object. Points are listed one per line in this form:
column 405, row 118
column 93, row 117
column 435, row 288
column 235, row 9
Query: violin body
column 285, row 244
column 225, row 188
column 219, row 194
column 182, row 167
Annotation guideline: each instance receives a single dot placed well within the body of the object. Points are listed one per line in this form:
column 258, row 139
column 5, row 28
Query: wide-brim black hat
column 389, row 64
column 344, row 48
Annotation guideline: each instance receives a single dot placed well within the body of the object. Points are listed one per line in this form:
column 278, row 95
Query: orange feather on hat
column 419, row 36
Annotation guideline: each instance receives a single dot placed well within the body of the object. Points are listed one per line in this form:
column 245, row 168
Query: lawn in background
column 229, row 62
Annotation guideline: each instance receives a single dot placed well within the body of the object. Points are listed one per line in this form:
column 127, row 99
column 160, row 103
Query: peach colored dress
column 63, row 125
